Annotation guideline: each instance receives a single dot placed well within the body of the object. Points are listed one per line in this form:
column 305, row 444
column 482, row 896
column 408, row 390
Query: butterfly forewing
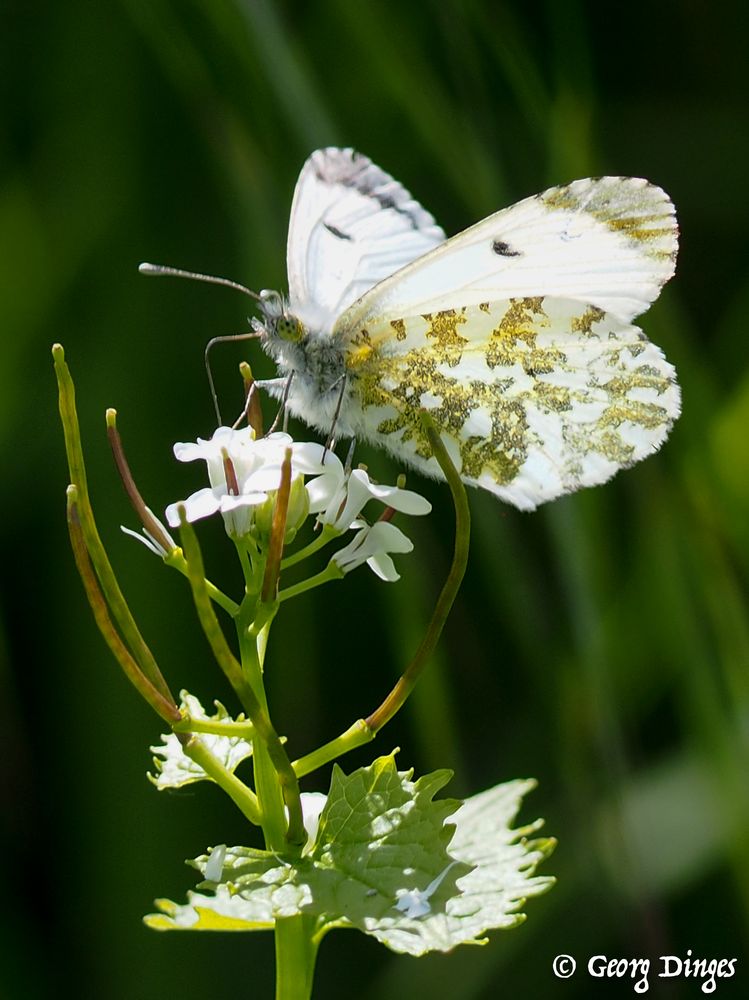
column 609, row 242
column 351, row 226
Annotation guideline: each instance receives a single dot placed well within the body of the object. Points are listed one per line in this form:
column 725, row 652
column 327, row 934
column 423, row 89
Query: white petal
column 200, row 504
column 384, row 535
column 279, row 439
column 327, row 492
column 308, row 458
column 189, row 451
column 372, row 544
column 357, row 496
column 384, row 567
column 146, row 539
column 405, row 501
column 272, row 448
column 348, row 557
column 263, row 479
column 323, row 490
column 229, row 503
column 243, row 436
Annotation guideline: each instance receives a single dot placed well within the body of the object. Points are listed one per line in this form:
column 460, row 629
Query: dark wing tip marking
column 503, row 249
column 355, row 170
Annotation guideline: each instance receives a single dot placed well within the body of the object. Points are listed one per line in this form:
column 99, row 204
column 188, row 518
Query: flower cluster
column 245, row 473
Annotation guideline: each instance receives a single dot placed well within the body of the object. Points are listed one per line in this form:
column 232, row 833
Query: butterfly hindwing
column 534, row 397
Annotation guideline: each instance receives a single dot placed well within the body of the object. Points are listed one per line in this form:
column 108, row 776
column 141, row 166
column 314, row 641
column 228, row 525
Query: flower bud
column 296, row 515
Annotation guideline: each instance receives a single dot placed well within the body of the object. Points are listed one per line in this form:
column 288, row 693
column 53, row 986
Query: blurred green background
column 600, row 645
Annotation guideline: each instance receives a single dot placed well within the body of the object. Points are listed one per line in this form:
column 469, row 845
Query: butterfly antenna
column 161, row 270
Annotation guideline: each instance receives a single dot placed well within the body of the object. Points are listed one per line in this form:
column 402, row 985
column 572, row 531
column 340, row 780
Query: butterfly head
column 316, row 362
column 290, row 329
column 278, row 323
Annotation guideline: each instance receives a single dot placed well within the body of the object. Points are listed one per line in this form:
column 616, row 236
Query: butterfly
column 516, row 335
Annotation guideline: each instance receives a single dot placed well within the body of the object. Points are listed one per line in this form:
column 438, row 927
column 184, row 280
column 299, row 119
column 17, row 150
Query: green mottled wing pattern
column 534, row 397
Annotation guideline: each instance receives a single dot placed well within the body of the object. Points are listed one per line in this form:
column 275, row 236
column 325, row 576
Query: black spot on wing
column 503, row 249
column 338, row 233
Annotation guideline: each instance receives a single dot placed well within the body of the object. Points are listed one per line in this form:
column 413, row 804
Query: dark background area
column 600, row 645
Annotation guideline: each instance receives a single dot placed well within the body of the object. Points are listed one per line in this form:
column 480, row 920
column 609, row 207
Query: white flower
column 244, row 473
column 340, row 497
column 371, row 545
column 253, row 468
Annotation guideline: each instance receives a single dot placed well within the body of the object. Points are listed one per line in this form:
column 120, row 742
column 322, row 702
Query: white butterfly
column 516, row 334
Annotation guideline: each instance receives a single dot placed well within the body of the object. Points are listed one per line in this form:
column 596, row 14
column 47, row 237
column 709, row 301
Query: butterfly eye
column 289, row 328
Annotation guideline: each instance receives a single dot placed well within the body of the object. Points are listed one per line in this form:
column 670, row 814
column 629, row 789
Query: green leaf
column 419, row 875
column 176, row 769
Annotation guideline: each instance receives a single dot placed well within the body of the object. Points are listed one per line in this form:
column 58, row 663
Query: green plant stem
column 268, row 754
column 176, row 560
column 355, row 736
column 246, row 679
column 246, row 730
column 243, row 797
column 331, row 572
column 247, row 568
column 327, row 534
column 276, row 783
column 273, row 772
column 167, row 709
column 365, row 730
column 271, row 798
column 207, row 617
column 269, row 790
column 413, row 671
column 296, row 952
column 96, row 552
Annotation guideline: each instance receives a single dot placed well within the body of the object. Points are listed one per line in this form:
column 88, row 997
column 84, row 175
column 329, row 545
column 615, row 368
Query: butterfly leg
column 276, row 383
column 348, row 464
column 251, row 411
column 212, row 343
column 330, row 443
